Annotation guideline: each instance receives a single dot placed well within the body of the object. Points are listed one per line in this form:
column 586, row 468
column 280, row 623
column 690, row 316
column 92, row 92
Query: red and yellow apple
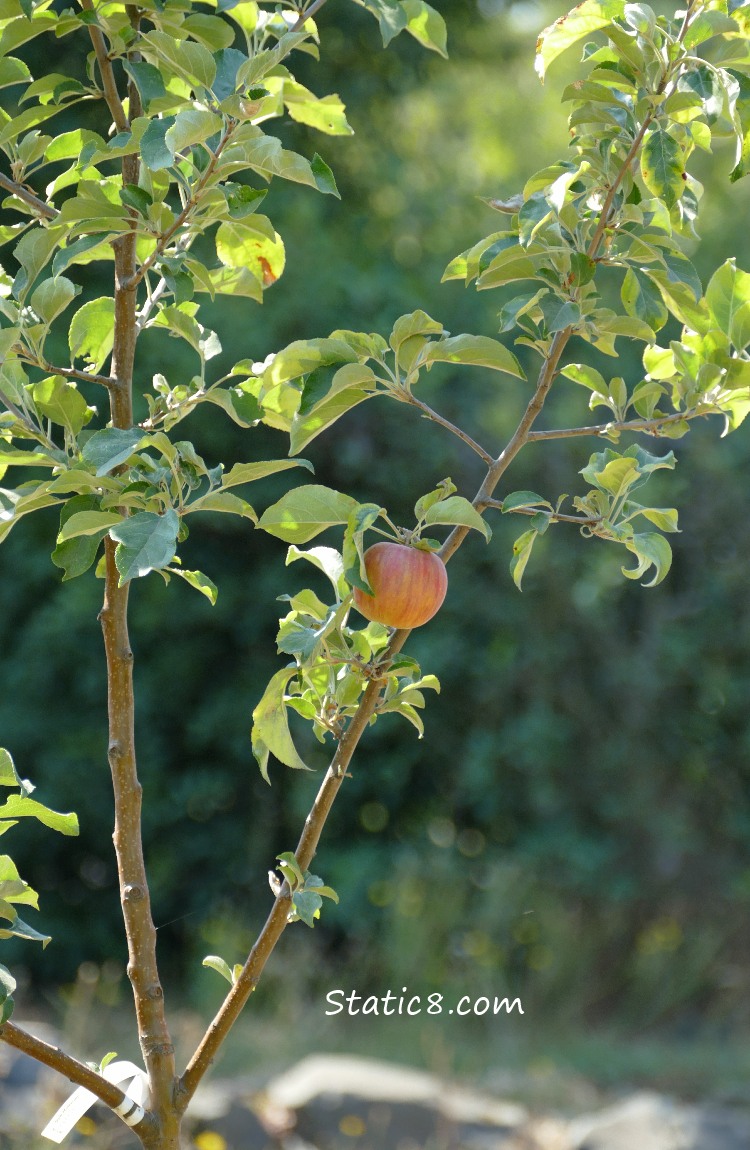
column 408, row 585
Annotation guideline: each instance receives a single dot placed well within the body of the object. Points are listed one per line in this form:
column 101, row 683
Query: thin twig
column 153, row 298
column 648, row 426
column 112, row 96
column 305, row 16
column 430, row 413
column 70, row 372
column 35, row 431
column 29, row 198
column 166, row 236
column 553, row 516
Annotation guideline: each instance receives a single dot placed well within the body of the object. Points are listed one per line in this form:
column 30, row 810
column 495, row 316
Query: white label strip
column 131, row 1110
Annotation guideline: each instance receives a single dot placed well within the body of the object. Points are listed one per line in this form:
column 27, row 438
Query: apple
column 409, row 585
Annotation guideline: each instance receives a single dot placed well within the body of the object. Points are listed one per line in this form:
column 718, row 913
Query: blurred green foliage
column 574, row 828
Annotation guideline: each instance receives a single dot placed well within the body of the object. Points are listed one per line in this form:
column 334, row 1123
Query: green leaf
column 617, row 473
column 88, row 522
column 7, row 986
column 415, row 323
column 190, row 61
column 303, row 513
column 474, row 351
column 426, row 25
column 665, row 518
column 651, row 550
column 76, row 555
column 728, row 299
column 326, row 559
column 307, row 904
column 323, row 176
column 108, row 448
column 148, row 80
column 455, row 511
column 290, row 869
column 444, row 488
column 243, row 200
column 252, row 244
column 156, row 151
column 192, row 126
column 250, row 472
column 147, row 542
column 587, row 376
column 326, row 114
column 521, row 554
column 52, row 297
column 390, row 15
column 361, row 519
column 568, row 30
column 91, row 333
column 9, row 776
column 350, row 385
column 518, row 499
column 83, row 251
column 663, row 166
column 305, row 355
column 181, row 321
column 21, row 806
column 215, row 962
column 200, row 582
column 642, row 299
column 228, row 63
column 62, row 402
column 21, row 929
column 13, row 71
column 223, row 501
column 271, row 726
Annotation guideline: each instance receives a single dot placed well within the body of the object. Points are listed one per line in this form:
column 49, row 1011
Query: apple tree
column 166, row 191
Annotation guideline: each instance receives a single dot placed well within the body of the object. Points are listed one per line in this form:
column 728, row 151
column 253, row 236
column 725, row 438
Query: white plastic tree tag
column 131, row 1110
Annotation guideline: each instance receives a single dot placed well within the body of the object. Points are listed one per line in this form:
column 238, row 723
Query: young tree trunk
column 153, row 1033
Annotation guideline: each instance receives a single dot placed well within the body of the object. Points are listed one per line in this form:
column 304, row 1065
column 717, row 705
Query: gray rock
column 336, row 1102
column 227, row 1107
column 240, row 1128
column 648, row 1121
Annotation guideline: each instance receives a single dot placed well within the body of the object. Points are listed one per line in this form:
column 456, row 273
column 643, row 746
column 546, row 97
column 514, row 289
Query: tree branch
column 75, row 1071
column 112, row 96
column 28, row 197
column 277, row 920
column 278, row 917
